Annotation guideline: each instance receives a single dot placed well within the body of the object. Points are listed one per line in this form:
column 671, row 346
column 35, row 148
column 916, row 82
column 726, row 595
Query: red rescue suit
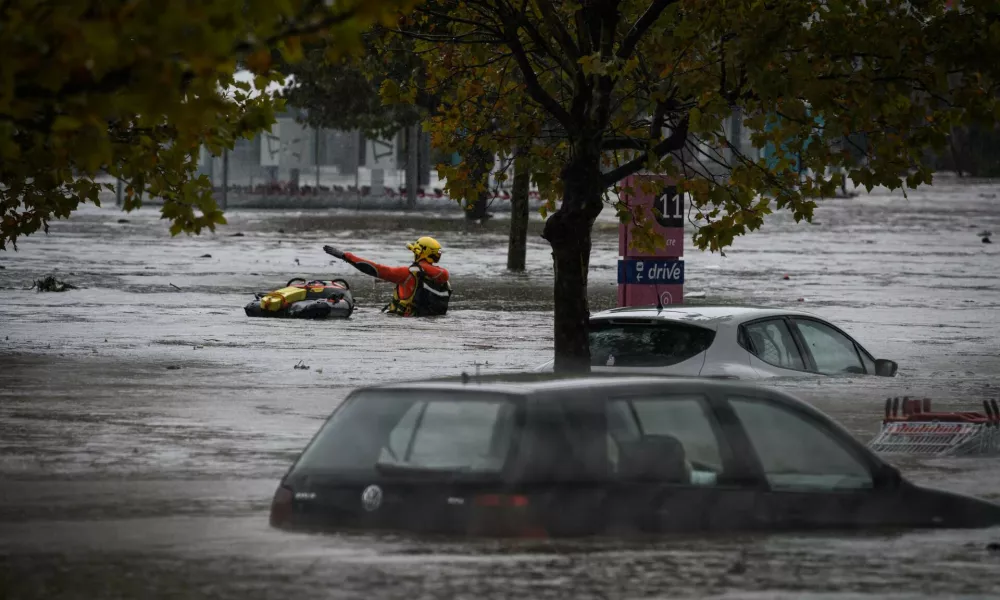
column 407, row 280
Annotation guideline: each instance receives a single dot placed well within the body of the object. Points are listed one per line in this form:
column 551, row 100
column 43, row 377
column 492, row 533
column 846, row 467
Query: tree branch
column 569, row 66
column 561, row 35
column 623, row 143
column 639, row 29
column 111, row 81
column 531, row 83
column 296, row 28
column 605, row 84
column 676, row 141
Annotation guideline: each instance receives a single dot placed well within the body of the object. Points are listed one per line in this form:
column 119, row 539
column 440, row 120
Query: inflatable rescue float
column 301, row 299
column 911, row 427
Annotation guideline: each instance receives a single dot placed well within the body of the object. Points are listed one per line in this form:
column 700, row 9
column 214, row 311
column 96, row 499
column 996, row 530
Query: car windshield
column 646, row 343
column 403, row 431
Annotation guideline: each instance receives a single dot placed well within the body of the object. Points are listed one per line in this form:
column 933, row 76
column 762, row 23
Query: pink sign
column 633, row 294
column 667, row 221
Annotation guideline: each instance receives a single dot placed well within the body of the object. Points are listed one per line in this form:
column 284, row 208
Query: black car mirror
column 888, row 477
column 885, row 367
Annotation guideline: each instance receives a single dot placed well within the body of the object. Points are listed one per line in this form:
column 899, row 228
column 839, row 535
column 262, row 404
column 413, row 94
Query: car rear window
column 646, row 343
column 466, row 432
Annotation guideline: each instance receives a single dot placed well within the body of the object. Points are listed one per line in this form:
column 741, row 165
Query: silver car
column 726, row 341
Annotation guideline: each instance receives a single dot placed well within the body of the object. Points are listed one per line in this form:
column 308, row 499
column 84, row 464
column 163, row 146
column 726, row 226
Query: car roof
column 701, row 315
column 534, row 383
column 563, row 384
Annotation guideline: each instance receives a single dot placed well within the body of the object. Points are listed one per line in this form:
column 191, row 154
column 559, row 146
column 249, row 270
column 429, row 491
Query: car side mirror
column 888, row 477
column 885, row 367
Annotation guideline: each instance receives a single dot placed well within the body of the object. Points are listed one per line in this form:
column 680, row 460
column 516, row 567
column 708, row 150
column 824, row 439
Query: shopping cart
column 911, row 427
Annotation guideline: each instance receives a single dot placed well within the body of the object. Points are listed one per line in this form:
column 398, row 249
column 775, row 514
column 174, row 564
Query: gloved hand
column 333, row 252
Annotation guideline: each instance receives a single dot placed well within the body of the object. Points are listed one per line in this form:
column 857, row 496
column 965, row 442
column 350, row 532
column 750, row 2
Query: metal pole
column 225, row 179
column 412, row 175
column 316, row 155
column 357, row 165
column 736, row 143
column 120, row 193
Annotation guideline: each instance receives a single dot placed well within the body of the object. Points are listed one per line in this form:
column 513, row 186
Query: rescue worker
column 422, row 289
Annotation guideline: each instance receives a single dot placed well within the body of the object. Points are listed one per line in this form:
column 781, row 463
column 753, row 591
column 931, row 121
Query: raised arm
column 391, row 274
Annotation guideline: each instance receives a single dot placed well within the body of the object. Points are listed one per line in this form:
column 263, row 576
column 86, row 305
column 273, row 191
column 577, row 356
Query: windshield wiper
column 398, row 469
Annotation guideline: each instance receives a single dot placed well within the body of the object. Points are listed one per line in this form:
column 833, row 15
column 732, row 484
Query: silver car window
column 772, row 342
column 833, row 352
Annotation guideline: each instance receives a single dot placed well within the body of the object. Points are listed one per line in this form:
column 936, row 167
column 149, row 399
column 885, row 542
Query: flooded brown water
column 144, row 420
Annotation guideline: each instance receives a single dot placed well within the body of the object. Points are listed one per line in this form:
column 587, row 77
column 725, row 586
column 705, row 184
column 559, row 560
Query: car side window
column 666, row 438
column 773, row 343
column 868, row 362
column 833, row 352
column 796, row 453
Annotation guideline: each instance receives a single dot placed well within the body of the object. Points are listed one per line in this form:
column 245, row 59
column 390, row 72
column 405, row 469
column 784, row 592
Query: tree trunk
column 482, row 164
column 412, row 183
column 568, row 232
column 517, row 248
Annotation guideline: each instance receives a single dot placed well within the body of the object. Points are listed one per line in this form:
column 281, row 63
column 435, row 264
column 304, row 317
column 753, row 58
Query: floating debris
column 205, row 256
column 172, row 367
column 174, row 286
column 302, row 365
column 51, row 284
column 237, row 234
column 123, row 220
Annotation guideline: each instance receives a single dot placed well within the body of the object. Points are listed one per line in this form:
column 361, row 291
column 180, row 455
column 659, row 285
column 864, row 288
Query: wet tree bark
column 482, row 164
column 568, row 231
column 517, row 246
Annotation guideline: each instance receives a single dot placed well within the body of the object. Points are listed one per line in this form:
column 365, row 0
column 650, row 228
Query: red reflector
column 487, row 500
column 281, row 506
column 535, row 533
column 494, row 500
column 519, row 501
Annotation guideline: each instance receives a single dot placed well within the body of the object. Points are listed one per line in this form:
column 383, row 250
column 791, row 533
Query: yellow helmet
column 425, row 248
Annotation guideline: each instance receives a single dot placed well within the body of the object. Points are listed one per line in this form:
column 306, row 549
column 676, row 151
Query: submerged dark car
column 550, row 456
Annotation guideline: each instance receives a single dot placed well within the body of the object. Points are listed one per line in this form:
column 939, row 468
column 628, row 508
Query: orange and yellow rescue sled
column 301, row 299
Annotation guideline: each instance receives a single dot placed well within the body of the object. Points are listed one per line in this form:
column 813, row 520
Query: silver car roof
column 712, row 317
column 532, row 383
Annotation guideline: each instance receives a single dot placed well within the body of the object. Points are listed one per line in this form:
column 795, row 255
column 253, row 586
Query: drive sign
column 645, row 279
column 651, row 271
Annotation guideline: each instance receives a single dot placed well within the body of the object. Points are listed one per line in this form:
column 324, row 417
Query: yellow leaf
column 64, row 123
column 293, row 49
column 259, row 61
